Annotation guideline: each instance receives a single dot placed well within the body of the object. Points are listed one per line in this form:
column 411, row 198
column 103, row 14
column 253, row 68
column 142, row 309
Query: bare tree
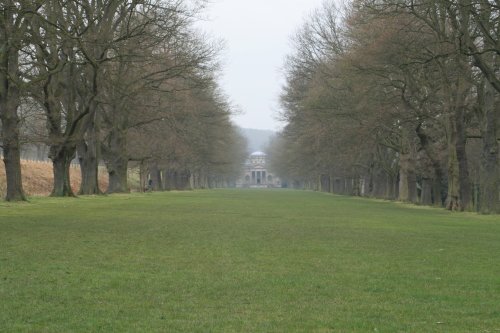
column 13, row 38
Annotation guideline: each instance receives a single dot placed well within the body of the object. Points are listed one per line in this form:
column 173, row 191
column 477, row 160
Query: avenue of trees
column 118, row 82
column 396, row 99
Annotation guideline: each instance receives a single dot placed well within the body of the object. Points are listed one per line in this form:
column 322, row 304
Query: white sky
column 257, row 36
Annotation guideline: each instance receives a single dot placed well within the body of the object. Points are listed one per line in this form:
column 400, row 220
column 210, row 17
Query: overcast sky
column 257, row 36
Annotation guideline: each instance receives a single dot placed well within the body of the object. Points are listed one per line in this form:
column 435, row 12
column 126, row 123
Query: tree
column 13, row 38
column 142, row 83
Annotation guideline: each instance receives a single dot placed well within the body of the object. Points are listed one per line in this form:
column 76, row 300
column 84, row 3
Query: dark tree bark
column 118, row 182
column 459, row 187
column 379, row 184
column 155, row 176
column 407, row 178
column 10, row 144
column 183, row 180
column 489, row 175
column 143, row 176
column 437, row 192
column 348, row 187
column 12, row 159
column 463, row 167
column 438, row 173
column 426, row 195
column 453, row 201
column 9, row 103
column 61, row 157
column 116, row 159
column 324, row 183
column 168, row 183
column 89, row 163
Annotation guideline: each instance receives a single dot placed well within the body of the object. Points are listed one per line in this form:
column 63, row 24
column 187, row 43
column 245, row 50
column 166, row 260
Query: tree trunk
column 367, row 186
column 168, row 179
column 453, row 198
column 324, row 183
column 184, row 183
column 403, row 178
column 155, row 176
column 196, row 180
column 426, row 195
column 9, row 103
column 12, row 154
column 204, row 181
column 348, row 186
column 459, row 185
column 337, row 185
column 61, row 157
column 412, row 186
column 12, row 161
column 463, row 167
column 117, row 173
column 437, row 192
column 356, row 186
column 426, row 173
column 489, row 176
column 179, row 180
column 89, row 168
column 407, row 178
column 90, row 176
column 143, row 176
column 379, row 184
column 392, row 187
column 438, row 172
column 116, row 162
column 192, row 181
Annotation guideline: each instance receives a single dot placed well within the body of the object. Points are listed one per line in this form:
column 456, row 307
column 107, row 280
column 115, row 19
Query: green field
column 245, row 261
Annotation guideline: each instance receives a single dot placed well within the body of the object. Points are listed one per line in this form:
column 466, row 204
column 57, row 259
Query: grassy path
column 245, row 261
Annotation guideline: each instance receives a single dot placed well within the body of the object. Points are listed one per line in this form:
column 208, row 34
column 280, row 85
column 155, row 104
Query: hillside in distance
column 257, row 139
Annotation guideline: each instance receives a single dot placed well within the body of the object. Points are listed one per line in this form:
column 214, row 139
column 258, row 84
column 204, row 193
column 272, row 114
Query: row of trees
column 396, row 99
column 118, row 81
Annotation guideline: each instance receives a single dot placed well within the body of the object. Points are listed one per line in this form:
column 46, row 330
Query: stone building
column 256, row 173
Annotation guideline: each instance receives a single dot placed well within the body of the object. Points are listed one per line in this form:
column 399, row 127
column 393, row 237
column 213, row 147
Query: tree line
column 395, row 99
column 119, row 82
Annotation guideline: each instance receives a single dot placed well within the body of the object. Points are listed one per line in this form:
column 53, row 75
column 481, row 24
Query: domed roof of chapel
column 257, row 154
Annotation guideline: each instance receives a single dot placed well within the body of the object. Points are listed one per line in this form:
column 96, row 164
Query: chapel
column 256, row 173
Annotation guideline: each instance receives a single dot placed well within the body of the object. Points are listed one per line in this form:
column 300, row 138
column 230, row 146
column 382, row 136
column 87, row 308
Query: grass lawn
column 245, row 261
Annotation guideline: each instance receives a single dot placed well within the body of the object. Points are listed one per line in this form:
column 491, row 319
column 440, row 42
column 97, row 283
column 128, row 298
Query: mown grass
column 245, row 261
